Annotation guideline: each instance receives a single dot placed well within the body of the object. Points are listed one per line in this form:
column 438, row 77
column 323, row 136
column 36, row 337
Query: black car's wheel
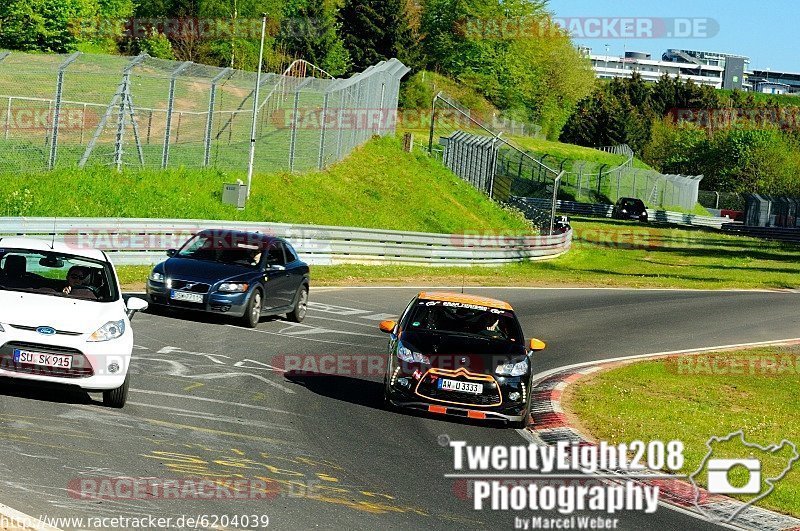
column 522, row 424
column 252, row 314
column 387, row 402
column 298, row 313
column 116, row 398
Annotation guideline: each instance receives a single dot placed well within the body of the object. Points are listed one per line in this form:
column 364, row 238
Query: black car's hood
column 451, row 351
column 204, row 270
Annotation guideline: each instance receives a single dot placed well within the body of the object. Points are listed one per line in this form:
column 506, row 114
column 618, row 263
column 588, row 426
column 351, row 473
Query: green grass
column 607, row 254
column 573, row 153
column 378, row 186
column 687, row 399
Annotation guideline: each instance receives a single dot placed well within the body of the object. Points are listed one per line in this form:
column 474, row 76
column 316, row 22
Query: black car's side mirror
column 172, row 252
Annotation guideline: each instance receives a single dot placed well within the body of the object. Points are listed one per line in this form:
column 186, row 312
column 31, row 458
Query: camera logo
column 720, row 480
column 735, row 467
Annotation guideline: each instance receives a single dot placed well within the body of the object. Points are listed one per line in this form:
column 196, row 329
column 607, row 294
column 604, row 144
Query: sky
column 764, row 30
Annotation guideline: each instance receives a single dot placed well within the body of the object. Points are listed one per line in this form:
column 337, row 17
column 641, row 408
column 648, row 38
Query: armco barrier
column 602, row 210
column 144, row 241
column 766, row 233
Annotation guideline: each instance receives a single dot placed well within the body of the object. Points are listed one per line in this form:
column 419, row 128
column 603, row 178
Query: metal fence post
column 3, row 55
column 170, row 106
column 8, row 116
column 57, row 109
column 323, row 119
column 555, row 200
column 212, row 100
column 293, row 142
column 433, row 123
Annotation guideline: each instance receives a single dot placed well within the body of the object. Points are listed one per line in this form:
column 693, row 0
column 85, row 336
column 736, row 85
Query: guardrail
column 602, row 210
column 766, row 233
column 144, row 241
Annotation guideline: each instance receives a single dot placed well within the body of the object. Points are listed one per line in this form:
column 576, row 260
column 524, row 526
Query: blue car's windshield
column 226, row 250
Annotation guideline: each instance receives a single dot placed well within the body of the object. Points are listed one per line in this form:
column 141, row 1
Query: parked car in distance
column 630, row 208
column 63, row 320
column 242, row 274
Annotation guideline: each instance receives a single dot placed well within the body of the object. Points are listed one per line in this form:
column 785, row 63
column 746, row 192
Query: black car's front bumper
column 502, row 398
column 233, row 304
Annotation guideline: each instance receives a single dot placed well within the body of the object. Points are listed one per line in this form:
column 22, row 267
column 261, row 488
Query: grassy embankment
column 694, row 398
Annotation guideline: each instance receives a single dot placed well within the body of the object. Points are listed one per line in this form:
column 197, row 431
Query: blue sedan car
column 242, row 274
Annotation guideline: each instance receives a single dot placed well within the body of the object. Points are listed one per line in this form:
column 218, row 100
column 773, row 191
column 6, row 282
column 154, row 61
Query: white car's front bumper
column 91, row 360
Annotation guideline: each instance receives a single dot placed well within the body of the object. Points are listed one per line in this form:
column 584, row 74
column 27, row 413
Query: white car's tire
column 116, row 398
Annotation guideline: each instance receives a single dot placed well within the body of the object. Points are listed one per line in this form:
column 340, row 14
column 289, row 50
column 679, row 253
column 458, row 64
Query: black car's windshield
column 229, row 249
column 57, row 274
column 463, row 318
column 632, row 203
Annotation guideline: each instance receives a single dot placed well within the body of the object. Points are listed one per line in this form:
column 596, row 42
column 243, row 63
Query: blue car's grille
column 193, row 287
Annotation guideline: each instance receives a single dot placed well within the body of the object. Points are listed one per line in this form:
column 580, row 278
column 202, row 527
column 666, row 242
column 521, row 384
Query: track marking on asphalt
column 179, row 370
column 214, row 417
column 292, row 330
column 545, row 374
column 367, row 325
column 193, row 386
column 256, row 330
column 215, row 401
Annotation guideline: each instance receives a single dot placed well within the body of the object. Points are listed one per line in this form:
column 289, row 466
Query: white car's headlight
column 156, row 277
column 513, row 369
column 107, row 332
column 233, row 287
column 406, row 354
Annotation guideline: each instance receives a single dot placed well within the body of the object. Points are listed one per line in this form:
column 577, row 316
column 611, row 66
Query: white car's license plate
column 186, row 296
column 26, row 357
column 461, row 387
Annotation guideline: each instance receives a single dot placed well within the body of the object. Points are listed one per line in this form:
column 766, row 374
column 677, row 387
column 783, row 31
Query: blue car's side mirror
column 172, row 252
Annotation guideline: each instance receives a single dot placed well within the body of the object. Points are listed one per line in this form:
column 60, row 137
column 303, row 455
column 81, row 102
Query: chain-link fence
column 61, row 111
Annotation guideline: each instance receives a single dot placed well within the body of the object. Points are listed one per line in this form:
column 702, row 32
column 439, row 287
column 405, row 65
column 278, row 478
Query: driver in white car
column 78, row 279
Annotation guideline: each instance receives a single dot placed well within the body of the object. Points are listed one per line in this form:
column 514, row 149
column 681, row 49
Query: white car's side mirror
column 134, row 305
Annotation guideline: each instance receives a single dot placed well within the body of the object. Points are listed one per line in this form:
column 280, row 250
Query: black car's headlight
column 511, row 368
column 406, row 354
column 233, row 287
column 155, row 276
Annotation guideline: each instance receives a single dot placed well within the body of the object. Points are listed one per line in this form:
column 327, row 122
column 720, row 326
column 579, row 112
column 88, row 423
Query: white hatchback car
column 63, row 319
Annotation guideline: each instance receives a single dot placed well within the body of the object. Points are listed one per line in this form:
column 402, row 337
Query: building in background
column 770, row 82
column 651, row 70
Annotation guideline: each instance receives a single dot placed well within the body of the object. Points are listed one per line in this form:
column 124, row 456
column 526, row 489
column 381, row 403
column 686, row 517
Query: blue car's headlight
column 513, row 369
column 406, row 354
column 156, row 277
column 233, row 287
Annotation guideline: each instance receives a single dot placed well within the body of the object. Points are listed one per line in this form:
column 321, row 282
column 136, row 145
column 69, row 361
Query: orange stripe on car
column 441, row 410
column 464, row 299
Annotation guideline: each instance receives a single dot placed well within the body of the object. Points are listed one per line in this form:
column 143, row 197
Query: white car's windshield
column 57, row 274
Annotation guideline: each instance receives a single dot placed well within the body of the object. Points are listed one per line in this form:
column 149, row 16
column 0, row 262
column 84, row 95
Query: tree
column 310, row 31
column 44, row 25
column 377, row 30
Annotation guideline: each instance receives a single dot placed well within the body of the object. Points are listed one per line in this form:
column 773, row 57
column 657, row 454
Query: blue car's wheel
column 252, row 314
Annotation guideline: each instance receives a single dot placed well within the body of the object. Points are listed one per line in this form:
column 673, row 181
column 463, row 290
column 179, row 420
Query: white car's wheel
column 116, row 398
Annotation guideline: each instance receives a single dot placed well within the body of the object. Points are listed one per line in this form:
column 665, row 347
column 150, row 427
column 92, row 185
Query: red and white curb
column 551, row 425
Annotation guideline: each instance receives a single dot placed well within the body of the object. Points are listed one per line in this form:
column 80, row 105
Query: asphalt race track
column 210, row 399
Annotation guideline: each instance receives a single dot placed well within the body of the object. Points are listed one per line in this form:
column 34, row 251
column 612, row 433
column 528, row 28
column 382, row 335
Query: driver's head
column 78, row 276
